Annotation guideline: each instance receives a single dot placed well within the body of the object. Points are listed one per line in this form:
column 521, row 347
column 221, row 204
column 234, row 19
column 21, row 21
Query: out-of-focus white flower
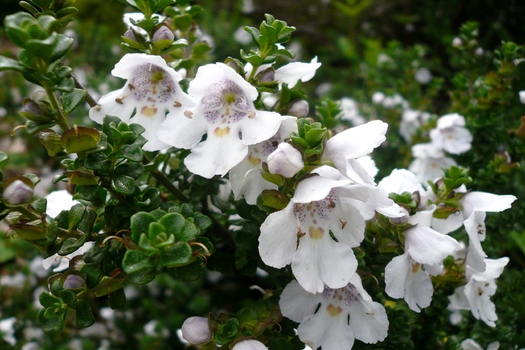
column 423, row 76
column 285, row 160
column 292, row 72
column 384, row 59
column 323, row 88
column 151, row 329
column 63, row 261
column 351, row 111
column 522, row 96
column 151, row 90
column 246, row 176
column 226, row 114
column 242, row 36
column 470, row 344
column 247, row 6
column 334, row 318
column 378, row 97
column 428, row 162
column 479, row 51
column 7, row 327
column 475, row 295
column 451, row 134
column 136, row 17
column 196, row 330
column 410, row 123
column 18, row 280
column 31, row 346
column 3, row 112
column 250, row 345
column 457, row 42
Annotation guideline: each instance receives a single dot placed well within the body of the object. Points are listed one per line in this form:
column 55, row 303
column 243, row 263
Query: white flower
column 423, row 76
column 457, row 42
column 292, row 72
column 8, row 330
column 522, row 96
column 58, row 201
column 451, row 134
column 246, row 176
column 18, row 192
column 410, row 123
column 334, row 318
column 470, row 344
column 300, row 234
column 242, row 36
column 407, row 276
column 351, row 111
column 250, row 345
column 151, row 90
column 475, row 295
column 345, row 148
column 285, row 160
column 473, row 207
column 428, row 162
column 151, row 329
column 196, row 330
column 226, row 114
column 378, row 97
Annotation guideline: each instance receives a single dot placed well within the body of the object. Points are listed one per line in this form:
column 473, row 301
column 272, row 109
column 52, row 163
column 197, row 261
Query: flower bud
column 18, row 192
column 285, row 160
column 130, row 35
column 196, row 330
column 250, row 345
column 163, row 33
column 74, row 282
column 267, row 76
column 421, row 199
column 299, row 108
column 401, row 220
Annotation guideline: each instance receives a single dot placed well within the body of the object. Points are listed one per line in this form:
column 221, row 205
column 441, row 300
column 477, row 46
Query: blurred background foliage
column 365, row 46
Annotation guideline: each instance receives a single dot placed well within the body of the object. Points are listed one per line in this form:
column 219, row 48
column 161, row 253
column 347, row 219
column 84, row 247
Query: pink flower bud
column 250, row 345
column 74, row 282
column 401, row 220
column 130, row 35
column 196, row 330
column 163, row 33
column 299, row 109
column 18, row 192
column 285, row 160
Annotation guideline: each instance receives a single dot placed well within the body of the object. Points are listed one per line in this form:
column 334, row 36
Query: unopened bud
column 285, row 160
column 250, row 345
column 163, row 33
column 74, row 282
column 421, row 199
column 18, row 192
column 401, row 220
column 130, row 34
column 267, row 76
column 196, row 330
column 31, row 107
column 299, row 108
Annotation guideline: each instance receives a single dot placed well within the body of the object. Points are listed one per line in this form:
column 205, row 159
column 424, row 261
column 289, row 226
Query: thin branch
column 166, row 182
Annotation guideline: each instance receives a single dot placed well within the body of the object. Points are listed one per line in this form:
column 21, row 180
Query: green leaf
column 178, row 254
column 71, row 100
column 80, row 139
column 133, row 170
column 85, row 316
column 117, row 299
column 132, row 152
column 71, row 245
column 3, row 157
column 49, row 325
column 123, row 184
column 75, row 215
column 93, row 274
column 177, row 225
column 66, row 85
column 182, row 22
column 140, row 224
column 51, row 141
column 48, row 300
column 139, row 267
column 10, row 64
column 200, row 50
column 69, row 298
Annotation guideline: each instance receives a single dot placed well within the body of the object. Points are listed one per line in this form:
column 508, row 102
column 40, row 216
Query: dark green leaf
column 123, row 184
column 139, row 267
column 71, row 100
column 177, row 255
column 85, row 316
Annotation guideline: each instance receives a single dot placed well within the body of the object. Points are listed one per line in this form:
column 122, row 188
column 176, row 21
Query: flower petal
column 296, row 303
column 427, row 246
column 260, row 128
column 278, row 239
